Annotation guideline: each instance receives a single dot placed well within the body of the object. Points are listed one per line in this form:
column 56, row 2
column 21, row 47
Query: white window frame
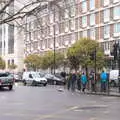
column 66, row 14
column 72, row 38
column 66, row 26
column 92, row 4
column 84, row 21
column 92, row 19
column 116, row 32
column 106, row 15
column 56, row 28
column 51, row 18
column 92, row 33
column 106, row 31
column 106, row 2
column 51, row 30
column 84, row 6
column 84, row 34
column 72, row 24
column 115, row 14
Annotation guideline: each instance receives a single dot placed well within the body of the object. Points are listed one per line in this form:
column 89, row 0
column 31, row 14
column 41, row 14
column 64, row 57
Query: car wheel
column 34, row 83
column 10, row 87
column 44, row 84
column 24, row 83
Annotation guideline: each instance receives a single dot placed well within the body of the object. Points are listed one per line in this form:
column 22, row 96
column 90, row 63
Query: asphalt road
column 55, row 103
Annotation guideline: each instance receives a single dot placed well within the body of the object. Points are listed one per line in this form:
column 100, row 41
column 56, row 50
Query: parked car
column 34, row 79
column 54, row 80
column 17, row 77
column 6, row 80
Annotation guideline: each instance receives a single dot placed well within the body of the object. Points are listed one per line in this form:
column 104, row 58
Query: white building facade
column 12, row 44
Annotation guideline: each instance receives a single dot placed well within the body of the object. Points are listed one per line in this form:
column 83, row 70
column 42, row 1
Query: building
column 58, row 24
column 97, row 19
column 11, row 42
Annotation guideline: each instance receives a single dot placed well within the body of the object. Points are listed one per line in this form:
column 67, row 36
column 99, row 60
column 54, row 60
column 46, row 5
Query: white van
column 113, row 77
column 33, row 78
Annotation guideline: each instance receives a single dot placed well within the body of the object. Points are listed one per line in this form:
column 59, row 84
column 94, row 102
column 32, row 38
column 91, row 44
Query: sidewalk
column 110, row 93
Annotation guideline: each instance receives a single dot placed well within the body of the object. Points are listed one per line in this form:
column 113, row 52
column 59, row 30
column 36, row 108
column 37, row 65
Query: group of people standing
column 79, row 80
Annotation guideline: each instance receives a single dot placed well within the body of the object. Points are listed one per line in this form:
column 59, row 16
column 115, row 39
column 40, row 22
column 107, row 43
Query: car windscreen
column 4, row 74
column 35, row 75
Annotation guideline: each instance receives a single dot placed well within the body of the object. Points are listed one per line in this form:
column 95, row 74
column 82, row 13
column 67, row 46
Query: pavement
column 112, row 91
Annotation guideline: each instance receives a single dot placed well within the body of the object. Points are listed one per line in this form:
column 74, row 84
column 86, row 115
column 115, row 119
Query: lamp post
column 95, row 67
column 54, row 42
column 119, row 65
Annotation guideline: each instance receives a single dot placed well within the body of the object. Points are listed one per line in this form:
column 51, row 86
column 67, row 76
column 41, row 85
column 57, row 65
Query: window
column 57, row 28
column 72, row 24
column 106, row 15
column 92, row 4
column 116, row 12
column 66, row 14
column 106, row 2
column 72, row 11
column 116, row 29
column 51, row 30
column 84, row 6
column 10, row 39
column 66, row 24
column 73, row 38
column 8, row 62
column 92, row 19
column 56, row 16
column 84, row 35
column 92, row 34
column 51, row 18
column 84, row 21
column 106, row 31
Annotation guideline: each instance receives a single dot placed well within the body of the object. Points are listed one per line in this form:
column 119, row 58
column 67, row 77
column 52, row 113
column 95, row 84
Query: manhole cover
column 90, row 108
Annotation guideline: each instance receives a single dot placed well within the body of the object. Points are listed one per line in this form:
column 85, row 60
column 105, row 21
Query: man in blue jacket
column 103, row 77
column 83, row 81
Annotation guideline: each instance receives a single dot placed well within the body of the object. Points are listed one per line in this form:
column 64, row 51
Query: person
column 83, row 81
column 79, row 81
column 69, row 81
column 73, row 81
column 92, row 79
column 103, row 77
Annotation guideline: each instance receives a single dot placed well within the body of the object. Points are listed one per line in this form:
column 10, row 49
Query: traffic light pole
column 119, row 69
column 95, row 69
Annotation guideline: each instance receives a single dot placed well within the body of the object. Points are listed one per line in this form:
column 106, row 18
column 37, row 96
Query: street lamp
column 54, row 42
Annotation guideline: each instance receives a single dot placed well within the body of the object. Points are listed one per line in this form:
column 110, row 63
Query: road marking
column 93, row 118
column 42, row 117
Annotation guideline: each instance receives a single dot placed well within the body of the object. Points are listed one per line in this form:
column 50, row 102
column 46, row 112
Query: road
column 55, row 103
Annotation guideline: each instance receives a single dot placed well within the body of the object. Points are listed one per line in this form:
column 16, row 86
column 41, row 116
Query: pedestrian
column 79, row 81
column 69, row 79
column 92, row 80
column 83, row 81
column 103, row 77
column 73, row 81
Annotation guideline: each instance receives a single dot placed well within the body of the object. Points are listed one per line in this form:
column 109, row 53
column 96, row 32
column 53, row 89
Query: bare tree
column 29, row 8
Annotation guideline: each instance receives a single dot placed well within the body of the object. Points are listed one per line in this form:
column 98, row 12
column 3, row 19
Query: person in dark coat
column 92, row 80
column 73, row 81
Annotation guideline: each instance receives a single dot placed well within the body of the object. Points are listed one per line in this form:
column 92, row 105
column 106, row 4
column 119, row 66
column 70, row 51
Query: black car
column 54, row 79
